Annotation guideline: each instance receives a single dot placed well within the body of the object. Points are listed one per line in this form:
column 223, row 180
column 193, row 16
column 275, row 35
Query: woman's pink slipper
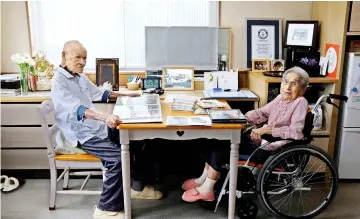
column 189, row 184
column 192, row 195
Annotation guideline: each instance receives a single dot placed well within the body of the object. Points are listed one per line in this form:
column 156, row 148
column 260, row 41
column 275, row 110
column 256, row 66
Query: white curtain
column 111, row 29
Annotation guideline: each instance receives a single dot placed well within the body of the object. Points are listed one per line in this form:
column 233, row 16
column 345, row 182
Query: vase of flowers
column 27, row 70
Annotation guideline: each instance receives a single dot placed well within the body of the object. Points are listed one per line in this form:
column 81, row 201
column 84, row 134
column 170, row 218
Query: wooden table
column 143, row 131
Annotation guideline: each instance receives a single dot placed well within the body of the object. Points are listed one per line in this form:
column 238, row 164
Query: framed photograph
column 107, row 69
column 178, row 78
column 263, row 39
column 260, row 65
column 302, row 34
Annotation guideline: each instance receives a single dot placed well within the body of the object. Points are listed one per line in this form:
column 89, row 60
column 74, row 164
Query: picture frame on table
column 178, row 78
column 302, row 34
column 263, row 39
column 260, row 65
column 107, row 70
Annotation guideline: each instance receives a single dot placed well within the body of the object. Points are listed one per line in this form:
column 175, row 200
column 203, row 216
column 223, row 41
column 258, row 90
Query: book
column 142, row 109
column 226, row 116
column 207, row 104
column 200, row 111
column 184, row 103
column 188, row 121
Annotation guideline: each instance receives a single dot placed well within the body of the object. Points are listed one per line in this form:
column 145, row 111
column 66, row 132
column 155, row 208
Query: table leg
column 125, row 159
column 234, row 157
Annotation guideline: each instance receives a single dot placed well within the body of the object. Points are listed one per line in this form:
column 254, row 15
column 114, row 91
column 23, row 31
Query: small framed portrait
column 107, row 70
column 178, row 78
column 260, row 65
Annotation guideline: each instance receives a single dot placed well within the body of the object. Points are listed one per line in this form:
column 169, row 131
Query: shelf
column 320, row 133
column 354, row 33
column 269, row 79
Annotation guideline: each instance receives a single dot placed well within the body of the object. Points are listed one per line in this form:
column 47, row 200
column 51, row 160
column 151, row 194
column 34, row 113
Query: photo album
column 142, row 109
column 227, row 116
column 188, row 120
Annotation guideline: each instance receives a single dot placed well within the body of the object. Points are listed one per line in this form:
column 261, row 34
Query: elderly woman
column 285, row 117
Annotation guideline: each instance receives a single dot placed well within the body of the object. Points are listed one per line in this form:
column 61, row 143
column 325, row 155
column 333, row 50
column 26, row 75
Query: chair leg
column 53, row 175
column 223, row 190
column 66, row 180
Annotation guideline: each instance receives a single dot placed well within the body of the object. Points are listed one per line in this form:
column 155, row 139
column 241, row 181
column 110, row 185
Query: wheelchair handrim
column 277, row 159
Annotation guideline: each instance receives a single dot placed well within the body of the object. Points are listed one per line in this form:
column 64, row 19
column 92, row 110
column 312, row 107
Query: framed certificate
column 107, row 70
column 263, row 39
column 302, row 34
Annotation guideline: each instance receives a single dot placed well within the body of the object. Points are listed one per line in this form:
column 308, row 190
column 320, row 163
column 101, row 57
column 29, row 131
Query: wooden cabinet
column 354, row 23
column 22, row 140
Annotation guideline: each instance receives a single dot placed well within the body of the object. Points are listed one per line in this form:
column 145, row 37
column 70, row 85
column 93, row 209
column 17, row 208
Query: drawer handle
column 180, row 133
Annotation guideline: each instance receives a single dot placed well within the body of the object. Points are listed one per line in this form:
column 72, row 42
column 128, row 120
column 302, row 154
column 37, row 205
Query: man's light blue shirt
column 72, row 95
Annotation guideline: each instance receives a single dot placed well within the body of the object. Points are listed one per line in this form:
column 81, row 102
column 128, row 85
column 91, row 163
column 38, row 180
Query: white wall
column 15, row 35
column 233, row 14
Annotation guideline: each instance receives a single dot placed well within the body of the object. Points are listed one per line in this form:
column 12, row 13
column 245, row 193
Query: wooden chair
column 65, row 162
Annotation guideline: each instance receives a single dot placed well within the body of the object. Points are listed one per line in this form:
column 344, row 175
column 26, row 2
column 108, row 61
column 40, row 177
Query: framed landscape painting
column 178, row 78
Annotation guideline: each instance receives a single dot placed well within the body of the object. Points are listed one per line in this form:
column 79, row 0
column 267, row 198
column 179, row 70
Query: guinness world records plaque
column 263, row 39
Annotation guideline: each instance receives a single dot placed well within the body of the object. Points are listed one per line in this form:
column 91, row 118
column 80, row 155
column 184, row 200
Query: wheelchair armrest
column 271, row 138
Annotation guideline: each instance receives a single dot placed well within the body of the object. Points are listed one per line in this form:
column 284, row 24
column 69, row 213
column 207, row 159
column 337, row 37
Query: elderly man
column 84, row 127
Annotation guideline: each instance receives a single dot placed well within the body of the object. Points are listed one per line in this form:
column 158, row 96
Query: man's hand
column 112, row 121
column 256, row 133
column 132, row 94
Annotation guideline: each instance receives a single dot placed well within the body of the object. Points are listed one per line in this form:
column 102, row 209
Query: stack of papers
column 185, row 103
column 143, row 109
column 10, row 92
column 188, row 120
column 209, row 104
column 229, row 94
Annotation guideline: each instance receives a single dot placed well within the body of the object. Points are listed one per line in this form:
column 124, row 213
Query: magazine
column 142, row 109
column 188, row 120
column 226, row 116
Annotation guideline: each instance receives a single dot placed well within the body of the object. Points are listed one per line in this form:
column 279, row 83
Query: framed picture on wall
column 178, row 78
column 263, row 39
column 302, row 34
column 107, row 70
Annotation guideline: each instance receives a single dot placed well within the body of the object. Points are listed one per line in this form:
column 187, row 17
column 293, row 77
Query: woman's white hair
column 302, row 73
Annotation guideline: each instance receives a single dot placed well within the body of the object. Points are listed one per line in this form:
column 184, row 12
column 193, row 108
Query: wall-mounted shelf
column 356, row 33
column 269, row 79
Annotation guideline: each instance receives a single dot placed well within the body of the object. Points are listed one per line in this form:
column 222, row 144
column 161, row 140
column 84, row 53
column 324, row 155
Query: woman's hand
column 256, row 133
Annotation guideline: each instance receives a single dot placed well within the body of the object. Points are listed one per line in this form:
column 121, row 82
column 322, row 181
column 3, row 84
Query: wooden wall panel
column 333, row 17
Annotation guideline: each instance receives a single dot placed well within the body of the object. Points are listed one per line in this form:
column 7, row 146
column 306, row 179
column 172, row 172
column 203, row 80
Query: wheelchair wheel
column 303, row 192
column 246, row 209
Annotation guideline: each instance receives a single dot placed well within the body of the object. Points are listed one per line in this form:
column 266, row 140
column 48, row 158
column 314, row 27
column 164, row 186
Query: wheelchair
column 298, row 180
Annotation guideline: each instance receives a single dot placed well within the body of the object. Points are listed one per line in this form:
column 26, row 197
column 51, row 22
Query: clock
column 151, row 82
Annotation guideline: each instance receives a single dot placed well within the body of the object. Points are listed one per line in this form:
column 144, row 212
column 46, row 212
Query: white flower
column 30, row 61
column 16, row 58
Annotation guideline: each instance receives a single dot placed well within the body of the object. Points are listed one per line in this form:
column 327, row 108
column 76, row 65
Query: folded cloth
column 65, row 147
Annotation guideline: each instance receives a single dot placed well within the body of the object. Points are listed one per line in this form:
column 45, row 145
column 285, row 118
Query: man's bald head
column 74, row 56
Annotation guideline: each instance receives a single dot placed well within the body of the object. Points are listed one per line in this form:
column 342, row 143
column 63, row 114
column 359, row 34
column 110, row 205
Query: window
column 110, row 28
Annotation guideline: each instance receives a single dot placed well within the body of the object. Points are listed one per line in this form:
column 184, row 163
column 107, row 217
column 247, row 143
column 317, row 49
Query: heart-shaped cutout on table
column 180, row 133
